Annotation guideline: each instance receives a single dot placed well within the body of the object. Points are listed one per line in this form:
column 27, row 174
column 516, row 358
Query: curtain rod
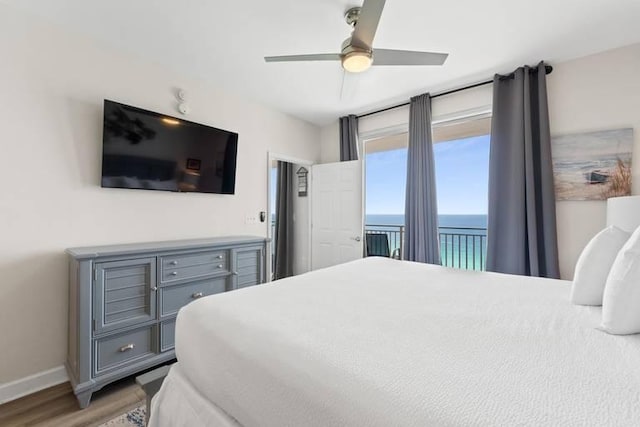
column 548, row 70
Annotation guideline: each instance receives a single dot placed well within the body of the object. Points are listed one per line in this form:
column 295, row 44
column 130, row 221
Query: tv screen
column 146, row 150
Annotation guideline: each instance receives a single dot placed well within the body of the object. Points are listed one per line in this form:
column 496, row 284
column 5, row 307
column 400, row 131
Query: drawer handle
column 220, row 266
column 127, row 347
column 197, row 295
column 174, row 273
column 174, row 262
column 219, row 257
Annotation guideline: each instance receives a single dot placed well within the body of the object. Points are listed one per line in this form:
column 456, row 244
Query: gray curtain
column 284, row 222
column 522, row 211
column 421, row 210
column 348, row 138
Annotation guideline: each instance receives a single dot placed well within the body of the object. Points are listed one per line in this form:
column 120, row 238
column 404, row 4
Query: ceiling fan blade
column 295, row 58
column 367, row 24
column 407, row 57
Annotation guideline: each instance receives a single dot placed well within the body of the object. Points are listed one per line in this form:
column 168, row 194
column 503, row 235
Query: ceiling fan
column 357, row 52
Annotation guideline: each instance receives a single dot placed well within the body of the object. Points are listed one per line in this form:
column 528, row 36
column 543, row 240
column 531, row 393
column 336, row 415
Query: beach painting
column 593, row 165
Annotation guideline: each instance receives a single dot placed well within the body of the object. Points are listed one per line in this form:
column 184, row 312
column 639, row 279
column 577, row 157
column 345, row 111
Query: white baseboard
column 33, row 383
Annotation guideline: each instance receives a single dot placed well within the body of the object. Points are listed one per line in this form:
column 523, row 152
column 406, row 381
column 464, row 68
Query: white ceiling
column 223, row 42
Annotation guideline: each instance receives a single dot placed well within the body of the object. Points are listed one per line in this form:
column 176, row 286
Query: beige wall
column 329, row 143
column 597, row 92
column 52, row 85
column 301, row 221
column 301, row 227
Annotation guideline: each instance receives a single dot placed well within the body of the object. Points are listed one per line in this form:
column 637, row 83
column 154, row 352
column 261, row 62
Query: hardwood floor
column 57, row 406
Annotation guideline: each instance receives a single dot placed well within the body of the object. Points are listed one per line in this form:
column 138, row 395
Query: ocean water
column 463, row 238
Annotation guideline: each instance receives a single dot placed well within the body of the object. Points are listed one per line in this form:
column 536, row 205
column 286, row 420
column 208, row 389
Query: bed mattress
column 380, row 342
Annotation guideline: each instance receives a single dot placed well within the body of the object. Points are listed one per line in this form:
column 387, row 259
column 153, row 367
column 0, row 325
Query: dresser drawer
column 118, row 350
column 173, row 297
column 167, row 335
column 180, row 267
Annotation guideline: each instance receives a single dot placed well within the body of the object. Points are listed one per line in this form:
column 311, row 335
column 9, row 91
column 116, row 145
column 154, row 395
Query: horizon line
column 438, row 213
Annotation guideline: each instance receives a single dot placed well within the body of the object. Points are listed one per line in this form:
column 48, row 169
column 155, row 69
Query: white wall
column 52, row 85
column 597, row 92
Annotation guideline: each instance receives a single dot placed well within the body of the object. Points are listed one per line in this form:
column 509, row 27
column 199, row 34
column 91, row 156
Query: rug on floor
column 133, row 418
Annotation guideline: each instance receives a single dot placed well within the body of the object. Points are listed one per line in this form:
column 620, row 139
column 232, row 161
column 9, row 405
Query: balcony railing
column 460, row 247
column 463, row 247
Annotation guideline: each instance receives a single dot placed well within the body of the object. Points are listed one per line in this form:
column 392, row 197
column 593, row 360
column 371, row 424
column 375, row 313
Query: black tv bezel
column 233, row 141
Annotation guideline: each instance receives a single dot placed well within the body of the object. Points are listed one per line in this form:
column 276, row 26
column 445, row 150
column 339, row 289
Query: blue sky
column 462, row 173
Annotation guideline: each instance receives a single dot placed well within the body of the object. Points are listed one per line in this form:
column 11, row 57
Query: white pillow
column 594, row 265
column 621, row 301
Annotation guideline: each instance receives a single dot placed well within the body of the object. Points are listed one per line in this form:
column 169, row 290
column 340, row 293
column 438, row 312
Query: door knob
column 357, row 238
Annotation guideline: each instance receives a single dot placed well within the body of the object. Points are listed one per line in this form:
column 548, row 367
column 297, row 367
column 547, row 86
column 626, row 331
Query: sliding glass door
column 461, row 150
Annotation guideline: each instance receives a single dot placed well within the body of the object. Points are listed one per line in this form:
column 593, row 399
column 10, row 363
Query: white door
column 336, row 213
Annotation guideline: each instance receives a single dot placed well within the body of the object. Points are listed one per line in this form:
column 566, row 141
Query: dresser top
column 168, row 245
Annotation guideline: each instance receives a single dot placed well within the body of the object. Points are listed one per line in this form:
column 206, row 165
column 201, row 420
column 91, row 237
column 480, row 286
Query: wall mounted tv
column 151, row 151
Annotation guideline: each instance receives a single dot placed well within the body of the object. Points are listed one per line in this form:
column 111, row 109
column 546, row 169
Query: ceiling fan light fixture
column 357, row 61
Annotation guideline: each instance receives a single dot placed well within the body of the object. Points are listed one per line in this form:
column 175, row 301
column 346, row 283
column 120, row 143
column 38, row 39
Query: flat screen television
column 151, row 151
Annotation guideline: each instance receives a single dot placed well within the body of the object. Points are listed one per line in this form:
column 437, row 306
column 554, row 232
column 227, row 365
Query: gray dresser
column 123, row 300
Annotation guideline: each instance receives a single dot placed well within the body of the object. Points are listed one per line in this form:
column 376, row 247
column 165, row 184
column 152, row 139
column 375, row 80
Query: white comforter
column 379, row 342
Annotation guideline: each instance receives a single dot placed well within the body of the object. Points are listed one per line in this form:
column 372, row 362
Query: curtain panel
column 284, row 221
column 348, row 138
column 521, row 235
column 421, row 209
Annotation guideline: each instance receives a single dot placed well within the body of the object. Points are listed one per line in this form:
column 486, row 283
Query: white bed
column 380, row 342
